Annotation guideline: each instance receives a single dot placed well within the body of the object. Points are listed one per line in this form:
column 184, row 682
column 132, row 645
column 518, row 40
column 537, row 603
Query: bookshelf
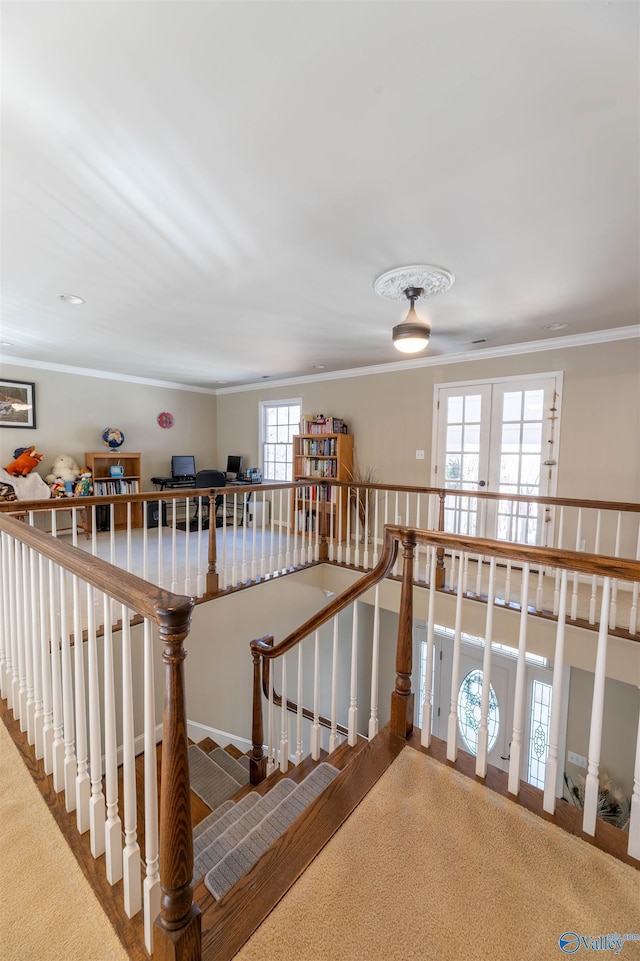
column 99, row 463
column 322, row 455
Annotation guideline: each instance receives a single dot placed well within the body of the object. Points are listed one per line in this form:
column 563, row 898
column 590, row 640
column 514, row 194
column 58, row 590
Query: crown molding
column 104, row 375
column 482, row 353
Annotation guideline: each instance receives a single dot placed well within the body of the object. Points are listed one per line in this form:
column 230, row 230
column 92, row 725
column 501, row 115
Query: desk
column 174, row 483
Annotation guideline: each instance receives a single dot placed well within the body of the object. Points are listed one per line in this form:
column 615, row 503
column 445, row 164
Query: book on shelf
column 326, row 425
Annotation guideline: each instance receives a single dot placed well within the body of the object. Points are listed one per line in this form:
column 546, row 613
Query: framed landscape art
column 17, row 404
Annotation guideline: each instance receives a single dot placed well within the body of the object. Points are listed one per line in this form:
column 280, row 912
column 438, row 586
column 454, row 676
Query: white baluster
column 574, row 593
column 280, row 538
column 174, row 545
column 375, row 530
column 96, row 805
column 36, row 594
column 288, row 535
column 483, row 732
column 634, row 818
column 356, row 520
column 633, row 613
column 129, row 542
column 263, row 539
column 225, row 574
column 353, row 693
column 333, row 735
column 271, row 747
column 151, row 887
column 23, row 630
column 299, row 748
column 339, row 491
column 452, row 727
column 614, row 584
column 507, row 585
column 83, row 782
column 245, row 515
column 131, row 853
column 316, row 730
column 284, row 726
column 272, row 536
column 254, row 545
column 160, row 542
column 592, row 783
column 13, row 682
column 46, row 639
column 375, row 664
column 558, row 577
column 57, row 746
column 519, row 698
column 5, row 644
column 427, row 706
column 594, row 579
column 551, row 770
column 145, row 538
column 70, row 766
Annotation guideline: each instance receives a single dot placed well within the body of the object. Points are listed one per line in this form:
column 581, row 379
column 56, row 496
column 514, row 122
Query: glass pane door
column 463, row 444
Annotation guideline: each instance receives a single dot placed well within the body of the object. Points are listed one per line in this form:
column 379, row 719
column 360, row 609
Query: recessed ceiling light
column 266, row 376
column 317, row 366
column 555, row 326
column 70, row 299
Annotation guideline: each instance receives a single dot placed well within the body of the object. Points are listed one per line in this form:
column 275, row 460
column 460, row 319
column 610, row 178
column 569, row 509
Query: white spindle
column 83, row 781
column 356, row 517
column 347, row 553
column 634, row 819
column 333, row 735
column 284, row 721
column 375, row 529
column 339, row 494
column 46, row 641
column 483, row 732
column 594, row 579
column 272, row 537
column 316, row 730
column 280, row 537
column 375, row 664
column 427, row 708
column 174, row 544
column 299, row 747
column 271, row 746
column 614, row 584
column 365, row 532
column 13, row 683
column 551, row 771
column 633, row 613
column 558, row 577
column 519, row 697
column 97, row 805
column 288, row 531
column 57, row 746
column 131, row 853
column 5, row 645
column 113, row 829
column 576, row 576
column 263, row 546
column 353, row 693
column 452, row 727
column 38, row 600
column 592, row 784
column 151, row 887
column 70, row 766
column 245, row 515
column 23, row 629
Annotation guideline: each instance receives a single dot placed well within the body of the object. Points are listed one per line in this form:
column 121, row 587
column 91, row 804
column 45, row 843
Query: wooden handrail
column 178, row 925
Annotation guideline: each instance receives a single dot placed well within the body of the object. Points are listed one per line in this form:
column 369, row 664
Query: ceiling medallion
column 430, row 279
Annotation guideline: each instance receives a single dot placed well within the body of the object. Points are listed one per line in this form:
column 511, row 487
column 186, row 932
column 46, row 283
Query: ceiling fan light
column 411, row 336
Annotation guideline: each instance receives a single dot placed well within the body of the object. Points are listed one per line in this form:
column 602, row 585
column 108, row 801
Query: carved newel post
column 177, row 933
column 402, row 698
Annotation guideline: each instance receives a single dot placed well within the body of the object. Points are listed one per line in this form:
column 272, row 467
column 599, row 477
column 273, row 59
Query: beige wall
column 73, row 409
column 391, row 414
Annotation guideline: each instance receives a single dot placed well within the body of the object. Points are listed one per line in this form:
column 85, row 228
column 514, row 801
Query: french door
column 499, row 436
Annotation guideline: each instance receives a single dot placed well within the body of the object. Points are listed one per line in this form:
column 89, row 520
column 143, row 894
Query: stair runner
column 233, row 837
column 217, row 775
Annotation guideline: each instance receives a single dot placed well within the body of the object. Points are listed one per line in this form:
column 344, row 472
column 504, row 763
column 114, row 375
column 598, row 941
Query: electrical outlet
column 419, row 455
column 576, row 759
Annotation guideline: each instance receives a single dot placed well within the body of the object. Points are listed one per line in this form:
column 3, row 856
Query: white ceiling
column 223, row 181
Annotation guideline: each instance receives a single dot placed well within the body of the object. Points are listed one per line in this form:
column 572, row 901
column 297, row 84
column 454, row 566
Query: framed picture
column 17, row 404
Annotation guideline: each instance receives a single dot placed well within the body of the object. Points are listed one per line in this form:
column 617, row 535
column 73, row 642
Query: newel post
column 257, row 761
column 177, row 933
column 213, row 584
column 401, row 722
column 440, row 569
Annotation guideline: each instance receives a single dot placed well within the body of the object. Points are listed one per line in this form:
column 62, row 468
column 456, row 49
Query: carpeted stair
column 234, row 836
column 232, row 842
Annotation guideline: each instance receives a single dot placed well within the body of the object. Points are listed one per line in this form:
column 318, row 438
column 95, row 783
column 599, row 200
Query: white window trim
column 262, row 404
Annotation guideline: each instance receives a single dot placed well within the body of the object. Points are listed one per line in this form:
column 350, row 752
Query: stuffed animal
column 26, row 459
column 64, row 469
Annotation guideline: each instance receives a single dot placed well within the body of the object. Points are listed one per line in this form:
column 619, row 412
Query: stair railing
column 53, row 598
column 568, row 563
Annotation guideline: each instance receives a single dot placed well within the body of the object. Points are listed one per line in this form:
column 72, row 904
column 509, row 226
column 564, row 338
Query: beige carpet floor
column 48, row 911
column 435, row 867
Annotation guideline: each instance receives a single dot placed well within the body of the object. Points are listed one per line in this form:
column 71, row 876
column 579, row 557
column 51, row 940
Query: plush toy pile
column 67, row 479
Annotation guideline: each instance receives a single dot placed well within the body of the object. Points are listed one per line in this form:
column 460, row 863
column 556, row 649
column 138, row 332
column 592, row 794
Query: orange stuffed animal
column 25, row 460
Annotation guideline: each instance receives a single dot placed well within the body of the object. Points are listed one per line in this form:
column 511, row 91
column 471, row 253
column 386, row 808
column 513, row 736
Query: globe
column 112, row 437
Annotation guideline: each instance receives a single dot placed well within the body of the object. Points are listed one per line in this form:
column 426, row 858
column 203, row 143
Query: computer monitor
column 183, row 465
column 234, row 464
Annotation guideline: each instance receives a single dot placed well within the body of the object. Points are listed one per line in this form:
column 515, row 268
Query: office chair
column 206, row 479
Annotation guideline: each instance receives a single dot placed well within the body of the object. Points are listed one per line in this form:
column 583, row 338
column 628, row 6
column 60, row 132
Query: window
column 539, row 723
column 469, row 711
column 279, row 421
